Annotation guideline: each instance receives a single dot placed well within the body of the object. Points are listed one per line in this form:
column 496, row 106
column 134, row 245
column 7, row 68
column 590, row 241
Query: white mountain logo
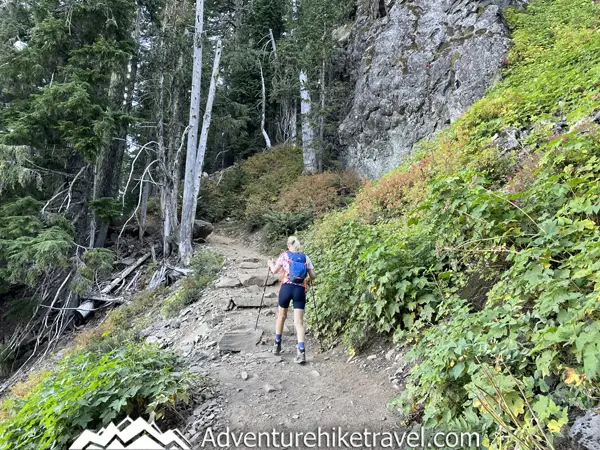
column 131, row 435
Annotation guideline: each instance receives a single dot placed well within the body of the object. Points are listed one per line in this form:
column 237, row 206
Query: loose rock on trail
column 254, row 389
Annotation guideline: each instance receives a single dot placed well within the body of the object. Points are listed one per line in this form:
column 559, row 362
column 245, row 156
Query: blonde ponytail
column 295, row 243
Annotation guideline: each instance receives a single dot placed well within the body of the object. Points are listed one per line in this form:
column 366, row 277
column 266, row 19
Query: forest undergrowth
column 480, row 254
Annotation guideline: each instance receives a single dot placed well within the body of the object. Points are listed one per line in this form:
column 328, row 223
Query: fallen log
column 104, row 298
column 158, row 277
column 180, row 270
column 124, row 274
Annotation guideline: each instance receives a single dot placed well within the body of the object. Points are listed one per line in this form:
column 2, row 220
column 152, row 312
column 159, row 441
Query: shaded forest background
column 95, row 110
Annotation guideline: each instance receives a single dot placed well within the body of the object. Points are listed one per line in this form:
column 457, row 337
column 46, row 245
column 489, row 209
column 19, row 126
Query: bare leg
column 299, row 323
column 280, row 320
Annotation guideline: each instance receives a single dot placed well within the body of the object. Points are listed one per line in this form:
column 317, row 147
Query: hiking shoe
column 300, row 357
column 277, row 348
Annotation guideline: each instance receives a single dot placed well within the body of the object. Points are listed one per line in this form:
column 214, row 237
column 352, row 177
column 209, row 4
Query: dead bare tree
column 308, row 132
column 187, row 207
column 264, row 103
column 206, row 123
column 193, row 174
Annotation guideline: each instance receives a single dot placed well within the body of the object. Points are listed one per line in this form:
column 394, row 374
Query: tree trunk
column 322, row 120
column 169, row 154
column 106, row 163
column 92, row 240
column 176, row 136
column 163, row 164
column 264, row 103
column 308, row 132
column 188, row 208
column 293, row 126
column 145, row 187
column 111, row 161
column 206, row 124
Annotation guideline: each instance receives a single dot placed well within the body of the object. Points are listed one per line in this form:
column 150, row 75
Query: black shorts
column 289, row 292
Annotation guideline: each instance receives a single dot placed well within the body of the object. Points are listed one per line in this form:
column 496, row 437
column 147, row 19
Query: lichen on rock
column 417, row 69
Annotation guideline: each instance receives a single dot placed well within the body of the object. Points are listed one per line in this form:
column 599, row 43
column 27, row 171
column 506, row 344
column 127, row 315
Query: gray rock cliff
column 417, row 66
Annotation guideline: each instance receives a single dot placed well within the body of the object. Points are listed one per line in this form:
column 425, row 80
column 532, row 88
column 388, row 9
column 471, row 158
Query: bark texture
column 308, row 130
column 188, row 203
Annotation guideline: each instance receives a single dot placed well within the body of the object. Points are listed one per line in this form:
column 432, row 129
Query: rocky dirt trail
column 255, row 390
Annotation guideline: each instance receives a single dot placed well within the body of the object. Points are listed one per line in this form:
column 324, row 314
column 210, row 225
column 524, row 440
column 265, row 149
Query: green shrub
column 271, row 173
column 130, row 315
column 206, row 266
column 515, row 365
column 97, row 265
column 220, row 199
column 280, row 225
column 373, row 282
column 249, row 191
column 319, row 193
column 255, row 212
column 89, row 390
column 535, row 340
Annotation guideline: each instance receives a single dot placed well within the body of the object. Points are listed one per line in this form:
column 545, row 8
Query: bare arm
column 274, row 267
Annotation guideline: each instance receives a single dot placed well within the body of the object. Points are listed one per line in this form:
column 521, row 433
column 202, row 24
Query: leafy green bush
column 373, row 281
column 536, row 339
column 319, row 193
column 88, row 390
column 267, row 190
column 271, row 173
column 206, row 266
column 252, row 189
column 125, row 316
column 220, row 199
column 540, row 320
column 516, row 364
column 280, row 225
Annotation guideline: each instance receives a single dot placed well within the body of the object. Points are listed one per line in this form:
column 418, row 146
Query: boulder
column 235, row 341
column 252, row 301
column 251, row 265
column 507, row 140
column 254, row 289
column 227, row 282
column 202, row 332
column 154, row 340
column 257, row 278
column 270, row 388
column 415, row 66
column 202, row 229
column 586, row 431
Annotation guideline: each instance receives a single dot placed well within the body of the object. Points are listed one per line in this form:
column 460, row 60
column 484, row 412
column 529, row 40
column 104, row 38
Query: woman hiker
column 296, row 265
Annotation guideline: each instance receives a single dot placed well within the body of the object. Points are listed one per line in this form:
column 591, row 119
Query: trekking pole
column 263, row 297
column 312, row 290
